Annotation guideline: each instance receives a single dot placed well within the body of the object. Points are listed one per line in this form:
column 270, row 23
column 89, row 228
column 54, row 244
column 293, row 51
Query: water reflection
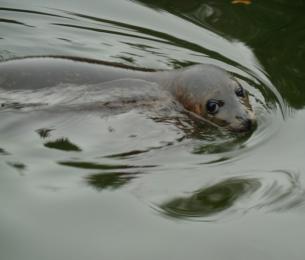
column 99, row 166
column 208, row 139
column 3, row 151
column 44, row 132
column 16, row 10
column 63, row 144
column 20, row 167
column 13, row 22
column 211, row 200
column 228, row 142
column 273, row 191
column 109, row 180
column 132, row 153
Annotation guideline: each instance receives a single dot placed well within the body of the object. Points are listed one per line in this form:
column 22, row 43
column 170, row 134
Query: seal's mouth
column 244, row 128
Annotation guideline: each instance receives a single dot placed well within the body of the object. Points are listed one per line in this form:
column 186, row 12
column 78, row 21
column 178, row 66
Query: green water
column 142, row 184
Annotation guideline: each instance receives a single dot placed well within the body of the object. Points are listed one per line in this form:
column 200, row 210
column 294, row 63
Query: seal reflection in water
column 209, row 92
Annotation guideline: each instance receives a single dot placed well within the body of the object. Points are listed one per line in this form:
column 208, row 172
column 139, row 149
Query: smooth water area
column 149, row 182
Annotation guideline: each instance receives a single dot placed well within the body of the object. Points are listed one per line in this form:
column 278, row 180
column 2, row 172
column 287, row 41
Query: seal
column 215, row 95
column 204, row 90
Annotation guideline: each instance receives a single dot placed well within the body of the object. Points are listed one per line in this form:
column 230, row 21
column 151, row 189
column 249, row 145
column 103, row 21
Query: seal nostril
column 248, row 124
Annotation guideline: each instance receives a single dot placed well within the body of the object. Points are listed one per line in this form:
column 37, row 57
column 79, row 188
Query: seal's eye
column 240, row 92
column 212, row 106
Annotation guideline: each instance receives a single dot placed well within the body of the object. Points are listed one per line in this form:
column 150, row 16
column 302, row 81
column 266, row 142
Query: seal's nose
column 248, row 124
column 243, row 124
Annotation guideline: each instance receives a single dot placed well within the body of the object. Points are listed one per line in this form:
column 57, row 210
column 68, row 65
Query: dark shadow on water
column 3, row 151
column 222, row 143
column 110, row 180
column 13, row 22
column 18, row 166
column 211, row 200
column 146, row 34
column 130, row 154
column 44, row 132
column 220, row 160
column 63, row 144
column 212, row 140
column 98, row 166
column 15, row 10
column 274, row 191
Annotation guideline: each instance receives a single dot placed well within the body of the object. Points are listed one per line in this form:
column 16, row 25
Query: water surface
column 149, row 182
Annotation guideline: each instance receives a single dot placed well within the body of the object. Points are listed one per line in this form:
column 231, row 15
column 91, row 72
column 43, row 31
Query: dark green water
column 142, row 184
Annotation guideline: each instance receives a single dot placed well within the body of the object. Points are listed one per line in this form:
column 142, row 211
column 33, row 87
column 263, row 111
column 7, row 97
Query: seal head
column 215, row 95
